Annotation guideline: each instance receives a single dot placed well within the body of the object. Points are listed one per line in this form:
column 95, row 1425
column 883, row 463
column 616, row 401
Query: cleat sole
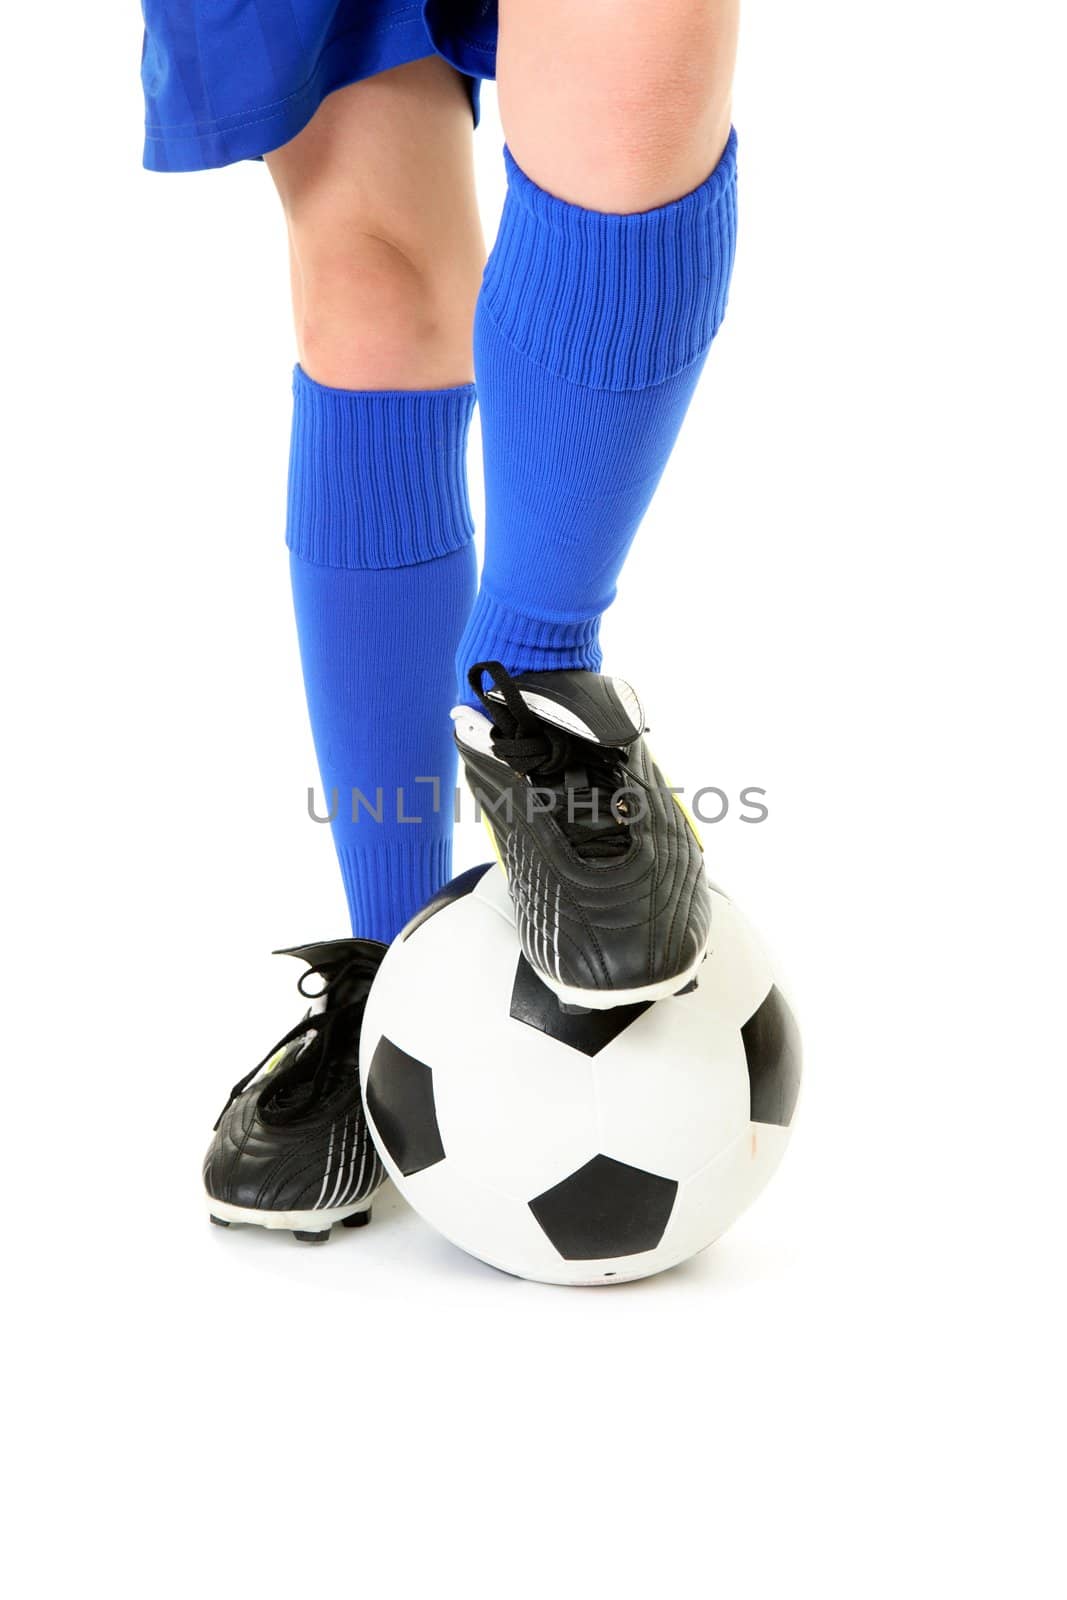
column 311, row 1222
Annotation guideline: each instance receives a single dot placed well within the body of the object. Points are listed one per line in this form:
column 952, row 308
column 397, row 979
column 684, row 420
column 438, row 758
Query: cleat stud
column 689, row 987
column 358, row 1219
column 311, row 1238
column 573, row 1011
column 220, row 1222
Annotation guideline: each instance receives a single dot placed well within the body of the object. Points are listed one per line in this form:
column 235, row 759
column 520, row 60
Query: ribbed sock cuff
column 613, row 301
column 496, row 632
column 378, row 478
column 387, row 882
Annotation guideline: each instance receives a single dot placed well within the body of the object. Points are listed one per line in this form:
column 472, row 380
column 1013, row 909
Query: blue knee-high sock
column 383, row 573
column 590, row 334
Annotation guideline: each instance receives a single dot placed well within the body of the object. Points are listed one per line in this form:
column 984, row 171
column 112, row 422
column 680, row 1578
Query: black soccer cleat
column 604, row 868
column 291, row 1148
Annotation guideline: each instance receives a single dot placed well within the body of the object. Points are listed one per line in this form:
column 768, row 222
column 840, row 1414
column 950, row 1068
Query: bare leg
column 386, row 245
column 617, row 105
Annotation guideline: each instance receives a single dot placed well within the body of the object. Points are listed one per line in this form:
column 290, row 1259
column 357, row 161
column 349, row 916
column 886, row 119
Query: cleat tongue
column 603, row 710
column 327, row 953
column 546, row 742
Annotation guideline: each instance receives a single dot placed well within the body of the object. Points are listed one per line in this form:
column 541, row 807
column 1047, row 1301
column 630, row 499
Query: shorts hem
column 253, row 133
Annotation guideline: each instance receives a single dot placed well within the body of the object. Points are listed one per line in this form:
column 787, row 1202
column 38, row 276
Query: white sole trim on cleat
column 298, row 1221
column 608, row 999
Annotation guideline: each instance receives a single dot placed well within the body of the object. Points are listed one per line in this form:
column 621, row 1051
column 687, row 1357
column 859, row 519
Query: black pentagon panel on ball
column 606, row 1209
column 446, row 896
column 589, row 1032
column 400, row 1099
column 772, row 1049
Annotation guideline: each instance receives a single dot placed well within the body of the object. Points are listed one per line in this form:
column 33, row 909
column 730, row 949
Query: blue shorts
column 226, row 80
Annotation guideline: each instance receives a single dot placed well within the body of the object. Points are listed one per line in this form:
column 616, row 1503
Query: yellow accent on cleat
column 680, row 803
column 492, row 841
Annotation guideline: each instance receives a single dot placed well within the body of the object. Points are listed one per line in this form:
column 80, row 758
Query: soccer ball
column 579, row 1149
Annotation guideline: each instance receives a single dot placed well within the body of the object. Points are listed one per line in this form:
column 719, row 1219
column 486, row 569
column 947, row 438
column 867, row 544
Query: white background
column 848, row 591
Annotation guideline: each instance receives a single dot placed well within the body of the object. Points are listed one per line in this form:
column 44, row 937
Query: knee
column 641, row 150
column 370, row 316
column 640, row 113
column 664, row 146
